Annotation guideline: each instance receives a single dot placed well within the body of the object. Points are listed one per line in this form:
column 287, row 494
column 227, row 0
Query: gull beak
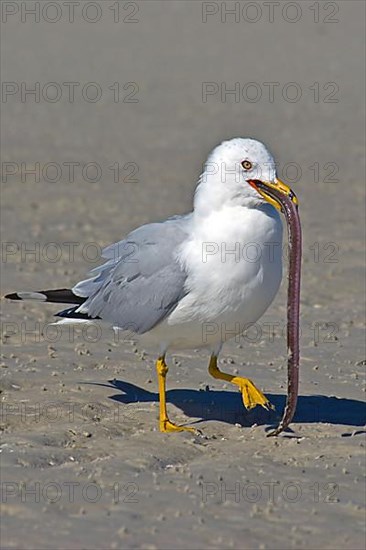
column 264, row 188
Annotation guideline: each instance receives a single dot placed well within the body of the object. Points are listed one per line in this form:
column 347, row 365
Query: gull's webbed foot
column 251, row 395
column 166, row 426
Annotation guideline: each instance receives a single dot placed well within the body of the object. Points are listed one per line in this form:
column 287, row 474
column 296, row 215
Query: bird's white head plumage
column 229, row 175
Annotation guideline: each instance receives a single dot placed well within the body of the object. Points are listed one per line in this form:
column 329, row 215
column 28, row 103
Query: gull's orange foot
column 251, row 395
column 167, row 427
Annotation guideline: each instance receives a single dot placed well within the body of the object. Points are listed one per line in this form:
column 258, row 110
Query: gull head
column 239, row 172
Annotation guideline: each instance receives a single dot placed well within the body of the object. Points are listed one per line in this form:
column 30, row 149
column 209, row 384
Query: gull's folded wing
column 141, row 281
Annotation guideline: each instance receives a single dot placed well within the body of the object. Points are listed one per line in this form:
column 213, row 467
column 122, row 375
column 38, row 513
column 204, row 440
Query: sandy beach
column 108, row 112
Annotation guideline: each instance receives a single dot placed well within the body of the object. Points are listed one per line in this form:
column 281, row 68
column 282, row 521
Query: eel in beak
column 284, row 199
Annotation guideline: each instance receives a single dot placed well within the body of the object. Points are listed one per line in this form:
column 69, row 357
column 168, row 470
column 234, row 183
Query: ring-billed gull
column 199, row 279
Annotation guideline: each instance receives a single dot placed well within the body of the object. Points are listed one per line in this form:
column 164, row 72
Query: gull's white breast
column 233, row 259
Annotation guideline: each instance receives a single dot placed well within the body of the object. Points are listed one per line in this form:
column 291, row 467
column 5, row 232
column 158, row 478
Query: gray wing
column 141, row 281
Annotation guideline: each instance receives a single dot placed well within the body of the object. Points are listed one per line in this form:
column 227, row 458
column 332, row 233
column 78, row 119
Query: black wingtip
column 57, row 296
column 13, row 296
column 72, row 313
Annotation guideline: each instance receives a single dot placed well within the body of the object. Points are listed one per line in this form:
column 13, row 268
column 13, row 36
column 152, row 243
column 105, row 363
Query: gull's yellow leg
column 251, row 395
column 164, row 422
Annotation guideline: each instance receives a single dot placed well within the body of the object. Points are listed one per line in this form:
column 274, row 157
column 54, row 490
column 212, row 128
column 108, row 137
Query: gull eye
column 247, row 165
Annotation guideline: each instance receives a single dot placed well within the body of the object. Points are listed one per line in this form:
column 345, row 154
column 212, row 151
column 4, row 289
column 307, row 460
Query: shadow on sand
column 227, row 406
